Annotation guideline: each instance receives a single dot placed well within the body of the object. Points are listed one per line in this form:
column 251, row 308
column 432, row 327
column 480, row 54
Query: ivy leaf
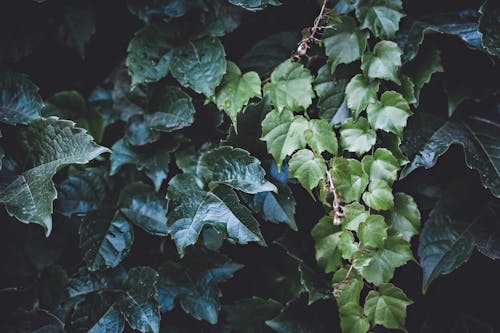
column 141, row 205
column 248, row 315
column 20, row 102
column 384, row 62
column 105, row 241
column 348, row 290
column 379, row 195
column 360, row 92
column 164, row 9
column 308, row 168
column 199, row 65
column 352, row 319
column 390, row 113
column 326, row 241
column 278, row 207
column 357, row 136
column 255, row 5
column 233, row 167
column 194, row 283
column 488, row 27
column 97, row 313
column 220, row 208
column 381, row 165
column 405, row 216
column 354, row 214
column 138, row 304
column 407, row 89
column 373, row 232
column 421, row 69
column 349, row 178
column 347, row 244
column 77, row 27
column 284, row 133
column 49, row 144
column 380, row 16
column 235, row 91
column 290, row 87
column 344, row 42
column 387, row 306
column 86, row 282
column 321, row 137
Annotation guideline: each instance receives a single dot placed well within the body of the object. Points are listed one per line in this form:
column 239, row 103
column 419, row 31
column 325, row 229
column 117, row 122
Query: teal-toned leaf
column 49, row 145
column 321, row 137
column 344, row 42
column 138, row 132
column 349, row 178
column 277, row 208
column 373, row 232
column 248, row 315
column 387, row 306
column 381, row 165
column 284, row 133
column 308, row 168
column 233, row 167
column 145, row 208
column 421, row 69
column 488, row 27
column 357, row 136
column 290, row 87
column 354, row 214
column 20, row 102
column 163, row 9
column 379, row 195
column 236, row 90
column 199, row 65
column 255, row 5
column 86, row 282
column 105, row 240
column 390, row 113
column 360, row 92
column 352, row 319
column 384, row 62
column 405, row 216
column 98, row 313
column 326, row 241
column 380, row 16
column 186, row 158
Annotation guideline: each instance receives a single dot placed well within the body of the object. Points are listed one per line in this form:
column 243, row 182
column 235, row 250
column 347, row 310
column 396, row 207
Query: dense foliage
column 213, row 170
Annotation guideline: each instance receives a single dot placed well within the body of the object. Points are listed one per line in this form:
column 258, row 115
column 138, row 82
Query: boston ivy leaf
column 354, row 214
column 138, row 304
column 105, row 241
column 236, row 90
column 387, row 306
column 357, row 136
column 248, row 315
column 77, row 27
column 220, row 208
column 308, row 168
column 97, row 313
column 379, row 195
column 326, row 241
column 373, row 232
column 344, row 42
column 186, row 157
column 194, row 283
column 384, row 62
column 347, row 290
column 86, row 282
column 145, row 208
column 277, row 208
column 360, row 92
column 220, row 19
column 255, row 5
column 405, row 216
column 49, row 145
column 488, row 26
column 148, row 55
column 352, row 319
column 347, row 245
column 199, row 65
column 380, row 16
column 233, row 167
column 422, row 68
column 290, row 87
column 407, row 89
column 390, row 113
column 138, row 132
column 283, row 134
column 381, row 165
column 321, row 137
column 349, row 178
column 19, row 102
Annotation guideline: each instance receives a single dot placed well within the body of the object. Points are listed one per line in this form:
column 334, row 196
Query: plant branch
column 303, row 45
column 337, row 209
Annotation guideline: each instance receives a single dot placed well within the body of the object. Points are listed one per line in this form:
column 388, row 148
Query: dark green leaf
column 489, row 27
column 77, row 27
column 255, row 5
column 97, row 314
column 248, row 315
column 86, row 282
column 277, row 208
column 387, row 306
column 326, row 239
column 380, row 16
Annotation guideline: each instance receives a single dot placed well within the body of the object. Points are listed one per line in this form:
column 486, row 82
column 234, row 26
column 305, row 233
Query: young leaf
column 381, row 165
column 357, row 136
column 387, row 306
column 390, row 113
column 373, row 232
column 379, row 195
column 360, row 92
column 383, row 63
column 352, row 319
column 326, row 241
column 308, row 168
column 380, row 16
column 405, row 216
column 349, row 178
column 347, row 245
column 321, row 137
column 354, row 214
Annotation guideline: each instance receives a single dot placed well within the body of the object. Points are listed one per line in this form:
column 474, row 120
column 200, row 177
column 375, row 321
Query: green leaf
column 163, row 9
column 277, row 208
column 380, row 16
column 347, row 288
column 390, row 113
column 248, row 315
column 138, row 304
column 326, row 241
column 381, row 165
column 360, row 92
column 97, row 313
column 290, row 87
column 283, row 134
column 194, row 283
column 49, row 144
column 384, row 62
column 86, row 282
column 235, row 91
column 354, row 214
column 347, row 245
column 105, row 241
column 373, row 232
column 379, row 195
column 349, row 178
column 344, row 42
column 148, row 55
column 488, row 27
column 352, row 319
column 308, row 168
column 233, row 167
column 387, row 306
column 20, row 102
column 255, row 5
column 407, row 89
column 421, row 69
column 405, row 216
column 321, row 137
column 219, row 208
column 357, row 136
column 145, row 208
column 199, row 65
